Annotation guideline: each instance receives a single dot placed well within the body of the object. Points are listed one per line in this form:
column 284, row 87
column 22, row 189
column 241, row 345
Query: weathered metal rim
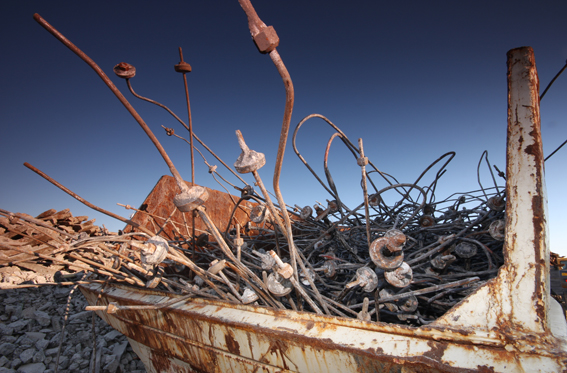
column 437, row 333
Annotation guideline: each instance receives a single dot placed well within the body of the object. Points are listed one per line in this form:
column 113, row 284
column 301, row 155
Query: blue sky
column 414, row 79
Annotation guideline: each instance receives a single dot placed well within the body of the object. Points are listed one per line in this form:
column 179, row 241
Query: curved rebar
column 328, row 173
column 553, row 80
column 485, row 156
column 345, row 139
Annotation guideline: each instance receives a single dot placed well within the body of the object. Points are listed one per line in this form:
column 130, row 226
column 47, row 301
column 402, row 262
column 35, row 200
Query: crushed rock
column 31, row 320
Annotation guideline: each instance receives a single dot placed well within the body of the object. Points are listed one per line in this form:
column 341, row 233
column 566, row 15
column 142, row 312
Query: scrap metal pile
column 425, row 255
column 423, row 258
column 400, row 256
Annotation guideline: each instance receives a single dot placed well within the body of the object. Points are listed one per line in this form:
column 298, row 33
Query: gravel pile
column 31, row 326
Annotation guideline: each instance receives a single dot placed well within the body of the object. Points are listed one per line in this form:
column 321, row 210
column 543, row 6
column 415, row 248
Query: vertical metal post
column 526, row 246
column 517, row 301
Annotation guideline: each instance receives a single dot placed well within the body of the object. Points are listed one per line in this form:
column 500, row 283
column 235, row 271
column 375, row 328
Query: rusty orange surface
column 158, row 206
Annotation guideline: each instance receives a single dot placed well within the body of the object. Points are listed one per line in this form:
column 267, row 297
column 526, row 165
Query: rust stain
column 231, row 343
column 279, row 347
column 485, row 369
column 211, row 334
column 541, row 264
column 376, row 350
column 437, row 350
column 538, row 208
column 531, row 149
column 250, row 345
column 159, row 361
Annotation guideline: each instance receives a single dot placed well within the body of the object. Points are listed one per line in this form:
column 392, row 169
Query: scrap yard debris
column 403, row 255
column 423, row 257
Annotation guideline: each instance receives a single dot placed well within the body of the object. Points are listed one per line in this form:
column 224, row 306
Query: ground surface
column 31, row 327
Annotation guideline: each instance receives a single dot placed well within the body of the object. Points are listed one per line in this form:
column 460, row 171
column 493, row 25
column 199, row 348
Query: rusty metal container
column 510, row 324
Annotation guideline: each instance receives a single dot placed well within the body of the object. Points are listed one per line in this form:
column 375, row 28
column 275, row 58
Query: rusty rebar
column 85, row 202
column 118, row 94
column 363, row 161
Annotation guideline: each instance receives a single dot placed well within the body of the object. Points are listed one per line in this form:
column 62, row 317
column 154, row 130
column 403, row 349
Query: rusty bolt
column 202, row 239
column 183, row 67
column 365, row 277
column 428, row 209
column 249, row 160
column 124, row 70
column 190, row 199
column 362, row 161
column 465, row 250
column 112, row 307
column 374, row 199
column 409, row 304
column 332, row 206
column 386, row 252
column 496, row 203
column 364, row 315
column 267, row 261
column 319, row 244
column 440, row 262
column 400, row 277
column 266, row 40
column 259, row 213
column 330, row 268
column 321, row 213
column 496, row 229
column 284, row 268
column 426, row 221
column 247, row 191
column 13, row 219
column 278, row 285
column 306, row 212
column 216, row 266
column 238, row 242
column 249, row 296
column 286, row 271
